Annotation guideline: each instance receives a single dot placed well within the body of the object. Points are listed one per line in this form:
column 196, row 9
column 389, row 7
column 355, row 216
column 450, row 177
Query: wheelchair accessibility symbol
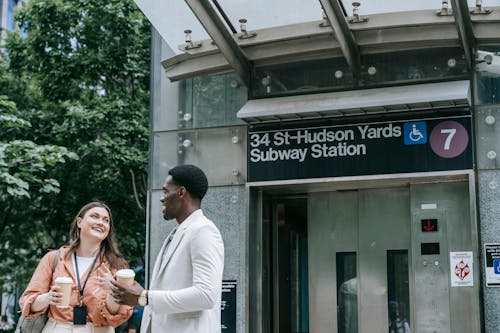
column 415, row 133
column 496, row 266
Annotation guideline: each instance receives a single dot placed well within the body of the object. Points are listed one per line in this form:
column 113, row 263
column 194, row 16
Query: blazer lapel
column 159, row 258
column 161, row 263
column 172, row 247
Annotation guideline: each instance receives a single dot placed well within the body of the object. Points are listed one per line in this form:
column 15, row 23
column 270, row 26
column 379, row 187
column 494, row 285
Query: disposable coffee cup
column 125, row 277
column 66, row 283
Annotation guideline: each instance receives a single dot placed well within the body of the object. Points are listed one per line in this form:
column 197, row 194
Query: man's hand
column 127, row 295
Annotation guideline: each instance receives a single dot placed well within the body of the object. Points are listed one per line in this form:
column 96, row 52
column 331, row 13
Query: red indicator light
column 429, row 225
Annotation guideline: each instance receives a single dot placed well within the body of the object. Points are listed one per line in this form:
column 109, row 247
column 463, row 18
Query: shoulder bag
column 35, row 324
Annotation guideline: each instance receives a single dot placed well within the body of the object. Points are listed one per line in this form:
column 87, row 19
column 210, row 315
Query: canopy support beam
column 464, row 27
column 224, row 40
column 345, row 37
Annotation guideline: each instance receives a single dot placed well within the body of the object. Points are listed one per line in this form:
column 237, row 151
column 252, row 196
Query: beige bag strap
column 56, row 260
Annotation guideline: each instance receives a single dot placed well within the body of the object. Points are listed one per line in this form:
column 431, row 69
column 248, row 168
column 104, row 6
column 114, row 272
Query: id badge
column 80, row 315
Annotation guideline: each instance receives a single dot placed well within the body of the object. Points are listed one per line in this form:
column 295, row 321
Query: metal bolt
column 243, row 27
column 355, row 9
column 188, row 35
column 489, row 120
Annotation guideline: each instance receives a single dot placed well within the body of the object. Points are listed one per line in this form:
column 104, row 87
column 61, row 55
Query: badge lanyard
column 80, row 289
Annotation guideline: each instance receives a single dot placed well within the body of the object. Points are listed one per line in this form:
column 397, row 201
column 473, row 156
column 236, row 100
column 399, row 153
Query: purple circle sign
column 449, row 139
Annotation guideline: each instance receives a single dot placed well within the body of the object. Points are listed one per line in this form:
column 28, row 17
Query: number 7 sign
column 449, row 139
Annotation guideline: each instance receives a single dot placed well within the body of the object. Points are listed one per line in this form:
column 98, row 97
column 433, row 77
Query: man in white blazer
column 184, row 295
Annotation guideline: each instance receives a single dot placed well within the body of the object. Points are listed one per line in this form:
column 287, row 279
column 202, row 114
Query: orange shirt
column 94, row 297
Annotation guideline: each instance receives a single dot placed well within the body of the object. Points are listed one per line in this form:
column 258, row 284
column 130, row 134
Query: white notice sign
column 461, row 271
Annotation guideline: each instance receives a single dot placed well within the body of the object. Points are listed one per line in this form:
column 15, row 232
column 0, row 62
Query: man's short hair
column 192, row 178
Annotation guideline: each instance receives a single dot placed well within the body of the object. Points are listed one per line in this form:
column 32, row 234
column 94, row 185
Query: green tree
column 79, row 74
column 25, row 172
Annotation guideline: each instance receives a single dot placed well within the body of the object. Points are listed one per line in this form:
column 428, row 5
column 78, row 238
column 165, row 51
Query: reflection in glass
column 398, row 291
column 488, row 89
column 488, row 81
column 413, row 66
column 292, row 270
column 347, row 293
column 377, row 70
column 302, row 77
column 210, row 101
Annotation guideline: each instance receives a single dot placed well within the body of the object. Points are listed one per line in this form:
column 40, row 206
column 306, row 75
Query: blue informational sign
column 415, row 133
column 496, row 266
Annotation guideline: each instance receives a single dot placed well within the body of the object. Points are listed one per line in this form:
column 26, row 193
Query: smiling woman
column 88, row 262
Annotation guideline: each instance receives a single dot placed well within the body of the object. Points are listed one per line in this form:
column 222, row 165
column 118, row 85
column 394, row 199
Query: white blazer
column 185, row 288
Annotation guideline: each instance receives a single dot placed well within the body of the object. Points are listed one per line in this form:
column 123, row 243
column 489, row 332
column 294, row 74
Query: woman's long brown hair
column 109, row 247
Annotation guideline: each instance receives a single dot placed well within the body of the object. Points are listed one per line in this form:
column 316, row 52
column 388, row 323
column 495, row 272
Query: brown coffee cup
column 65, row 283
column 125, row 277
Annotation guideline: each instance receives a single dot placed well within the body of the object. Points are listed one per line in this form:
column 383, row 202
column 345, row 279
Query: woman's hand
column 54, row 296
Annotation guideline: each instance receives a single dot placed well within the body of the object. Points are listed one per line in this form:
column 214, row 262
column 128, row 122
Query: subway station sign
column 400, row 146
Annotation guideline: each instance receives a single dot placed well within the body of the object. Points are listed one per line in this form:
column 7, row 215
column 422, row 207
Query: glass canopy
column 266, row 14
column 171, row 17
column 387, row 6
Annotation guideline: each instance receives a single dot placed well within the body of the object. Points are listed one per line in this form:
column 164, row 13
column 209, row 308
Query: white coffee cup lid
column 125, row 273
column 64, row 279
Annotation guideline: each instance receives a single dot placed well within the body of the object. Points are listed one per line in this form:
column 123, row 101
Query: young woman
column 90, row 260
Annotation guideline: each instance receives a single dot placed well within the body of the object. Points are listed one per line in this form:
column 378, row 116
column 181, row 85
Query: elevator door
column 363, row 239
column 373, row 270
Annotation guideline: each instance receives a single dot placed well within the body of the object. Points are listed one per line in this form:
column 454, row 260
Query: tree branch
column 135, row 190
column 6, row 215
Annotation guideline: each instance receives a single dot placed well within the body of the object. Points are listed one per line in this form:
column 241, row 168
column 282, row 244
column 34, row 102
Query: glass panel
column 171, row 18
column 398, row 291
column 220, row 152
column 347, row 292
column 488, row 137
column 413, row 66
column 387, row 6
column 292, row 274
column 488, row 79
column 488, row 89
column 302, row 77
column 265, row 14
column 164, row 94
column 209, row 101
column 205, row 101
